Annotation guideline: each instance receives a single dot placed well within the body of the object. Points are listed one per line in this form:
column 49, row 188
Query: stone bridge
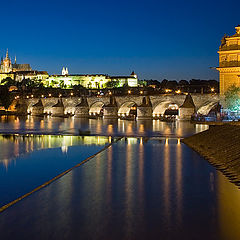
column 94, row 105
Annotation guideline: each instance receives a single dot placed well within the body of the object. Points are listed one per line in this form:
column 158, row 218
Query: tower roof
column 59, row 103
column 38, row 104
column 188, row 102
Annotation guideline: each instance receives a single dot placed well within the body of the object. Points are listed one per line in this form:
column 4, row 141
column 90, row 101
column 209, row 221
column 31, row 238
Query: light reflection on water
column 139, row 188
column 29, row 124
column 13, row 146
column 28, row 161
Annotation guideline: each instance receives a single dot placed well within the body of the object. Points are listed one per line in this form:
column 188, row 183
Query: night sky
column 157, row 39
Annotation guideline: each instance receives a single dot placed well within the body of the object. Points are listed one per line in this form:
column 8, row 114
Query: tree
column 5, row 97
column 232, row 98
column 112, row 84
column 9, row 82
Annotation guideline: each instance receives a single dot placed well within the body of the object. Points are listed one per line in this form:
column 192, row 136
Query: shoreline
column 219, row 145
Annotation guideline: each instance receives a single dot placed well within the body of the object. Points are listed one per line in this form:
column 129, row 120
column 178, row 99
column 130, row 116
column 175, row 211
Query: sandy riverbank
column 220, row 145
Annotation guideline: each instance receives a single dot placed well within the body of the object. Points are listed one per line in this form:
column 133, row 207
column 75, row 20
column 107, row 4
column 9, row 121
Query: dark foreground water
column 139, row 188
column 29, row 161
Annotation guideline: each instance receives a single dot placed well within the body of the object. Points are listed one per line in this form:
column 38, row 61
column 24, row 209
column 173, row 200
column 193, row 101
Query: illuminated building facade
column 229, row 61
column 94, row 81
column 19, row 72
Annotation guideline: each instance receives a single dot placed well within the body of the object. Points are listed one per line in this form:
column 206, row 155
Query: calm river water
column 142, row 187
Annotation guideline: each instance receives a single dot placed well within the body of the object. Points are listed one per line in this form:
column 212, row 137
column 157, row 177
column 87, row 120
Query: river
column 148, row 185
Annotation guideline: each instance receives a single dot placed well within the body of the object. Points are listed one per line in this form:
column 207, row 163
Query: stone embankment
column 220, row 145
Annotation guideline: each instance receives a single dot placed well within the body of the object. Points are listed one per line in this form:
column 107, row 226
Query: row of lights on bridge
column 110, row 93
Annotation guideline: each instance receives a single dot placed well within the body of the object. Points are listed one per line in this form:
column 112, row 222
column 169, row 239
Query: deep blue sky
column 157, row 39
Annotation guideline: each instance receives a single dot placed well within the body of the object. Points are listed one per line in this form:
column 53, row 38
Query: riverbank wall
column 220, row 145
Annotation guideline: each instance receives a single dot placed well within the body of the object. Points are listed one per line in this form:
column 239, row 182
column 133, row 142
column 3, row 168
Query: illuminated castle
column 229, row 61
column 19, row 72
column 8, row 67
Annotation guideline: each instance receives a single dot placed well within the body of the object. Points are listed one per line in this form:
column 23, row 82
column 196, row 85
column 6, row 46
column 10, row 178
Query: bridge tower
column 229, row 61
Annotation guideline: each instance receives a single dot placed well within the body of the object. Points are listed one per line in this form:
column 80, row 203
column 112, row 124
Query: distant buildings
column 97, row 81
column 19, row 72
column 229, row 61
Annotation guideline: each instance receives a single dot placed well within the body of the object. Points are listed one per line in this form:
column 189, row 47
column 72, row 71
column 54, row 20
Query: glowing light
column 129, row 92
column 110, row 93
column 27, row 96
column 177, row 91
column 71, row 94
column 60, row 95
column 42, row 96
column 49, row 94
column 31, row 95
column 168, row 90
column 212, row 89
column 166, row 142
column 141, row 92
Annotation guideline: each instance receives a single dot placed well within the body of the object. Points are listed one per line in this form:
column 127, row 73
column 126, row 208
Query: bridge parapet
column 159, row 103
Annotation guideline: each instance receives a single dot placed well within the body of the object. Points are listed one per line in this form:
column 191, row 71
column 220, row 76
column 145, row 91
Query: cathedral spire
column 7, row 54
column 15, row 59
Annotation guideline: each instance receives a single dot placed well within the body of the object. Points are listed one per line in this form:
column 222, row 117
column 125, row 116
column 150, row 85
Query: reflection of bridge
column 122, row 104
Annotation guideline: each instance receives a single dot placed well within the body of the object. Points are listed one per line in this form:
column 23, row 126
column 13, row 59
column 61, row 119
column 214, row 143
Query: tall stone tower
column 229, row 61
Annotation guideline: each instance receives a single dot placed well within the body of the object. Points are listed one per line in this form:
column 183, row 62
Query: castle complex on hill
column 229, row 61
column 19, row 72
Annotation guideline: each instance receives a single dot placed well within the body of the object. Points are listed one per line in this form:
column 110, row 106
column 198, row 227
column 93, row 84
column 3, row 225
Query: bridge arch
column 96, row 108
column 207, row 107
column 125, row 108
column 161, row 108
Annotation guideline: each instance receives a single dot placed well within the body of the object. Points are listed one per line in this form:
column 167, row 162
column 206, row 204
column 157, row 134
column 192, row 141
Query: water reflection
column 51, row 125
column 13, row 146
column 139, row 188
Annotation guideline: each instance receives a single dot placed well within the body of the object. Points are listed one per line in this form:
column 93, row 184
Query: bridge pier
column 82, row 109
column 37, row 109
column 21, row 107
column 111, row 110
column 187, row 108
column 57, row 110
column 144, row 111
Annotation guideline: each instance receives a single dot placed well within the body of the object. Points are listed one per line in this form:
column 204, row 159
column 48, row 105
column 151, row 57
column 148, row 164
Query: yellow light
column 49, row 94
column 42, row 95
column 168, row 90
column 129, row 92
column 141, row 92
column 60, row 95
column 212, row 89
column 71, row 94
column 177, row 91
column 31, row 95
column 110, row 93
